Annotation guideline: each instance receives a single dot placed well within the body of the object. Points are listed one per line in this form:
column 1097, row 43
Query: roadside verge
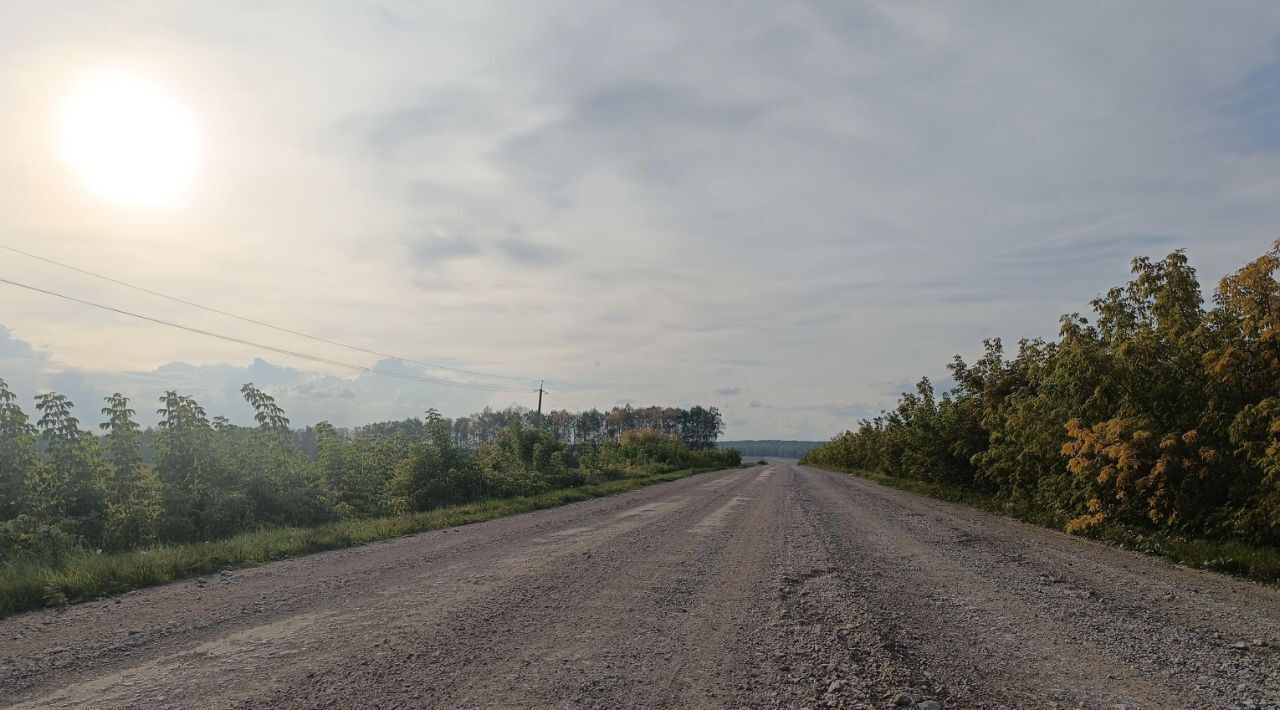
column 1240, row 559
column 83, row 576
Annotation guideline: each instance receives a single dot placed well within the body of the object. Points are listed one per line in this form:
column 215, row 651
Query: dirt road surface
column 774, row 586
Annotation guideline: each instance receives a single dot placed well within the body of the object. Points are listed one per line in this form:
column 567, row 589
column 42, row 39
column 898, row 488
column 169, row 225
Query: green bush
column 1158, row 415
column 30, row 582
column 197, row 484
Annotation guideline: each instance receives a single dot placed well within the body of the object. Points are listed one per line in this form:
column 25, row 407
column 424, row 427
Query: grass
column 83, row 575
column 1242, row 559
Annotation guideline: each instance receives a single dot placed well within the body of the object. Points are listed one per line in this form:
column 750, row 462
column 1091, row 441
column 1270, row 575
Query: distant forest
column 192, row 478
column 1155, row 413
column 777, row 448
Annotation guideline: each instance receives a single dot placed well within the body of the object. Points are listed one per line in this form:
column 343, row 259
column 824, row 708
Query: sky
column 788, row 210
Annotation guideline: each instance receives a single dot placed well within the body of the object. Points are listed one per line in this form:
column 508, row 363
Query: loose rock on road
column 770, row 587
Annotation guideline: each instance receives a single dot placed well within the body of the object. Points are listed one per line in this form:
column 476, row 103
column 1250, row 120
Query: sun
column 128, row 140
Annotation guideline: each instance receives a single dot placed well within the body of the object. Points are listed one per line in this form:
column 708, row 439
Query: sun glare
column 128, row 141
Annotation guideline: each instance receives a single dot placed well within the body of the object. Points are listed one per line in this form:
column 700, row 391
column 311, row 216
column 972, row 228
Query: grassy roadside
column 82, row 576
column 1261, row 564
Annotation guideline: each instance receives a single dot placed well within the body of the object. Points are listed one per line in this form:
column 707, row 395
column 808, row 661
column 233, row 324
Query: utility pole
column 540, row 384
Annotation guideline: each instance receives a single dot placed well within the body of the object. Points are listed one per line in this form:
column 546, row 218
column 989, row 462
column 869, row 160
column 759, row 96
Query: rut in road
column 776, row 586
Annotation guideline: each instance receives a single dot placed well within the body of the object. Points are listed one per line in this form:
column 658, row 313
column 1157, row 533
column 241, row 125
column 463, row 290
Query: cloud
column 809, row 200
column 23, row 368
column 529, row 253
column 432, row 251
column 1070, row 250
column 12, row 348
column 1252, row 108
column 728, row 391
column 307, row 398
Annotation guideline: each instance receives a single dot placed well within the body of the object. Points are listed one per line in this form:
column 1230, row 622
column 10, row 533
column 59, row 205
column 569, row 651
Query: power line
column 282, row 351
column 255, row 321
column 571, row 398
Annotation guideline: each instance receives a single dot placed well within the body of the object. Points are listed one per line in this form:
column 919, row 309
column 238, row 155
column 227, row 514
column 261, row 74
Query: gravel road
column 774, row 586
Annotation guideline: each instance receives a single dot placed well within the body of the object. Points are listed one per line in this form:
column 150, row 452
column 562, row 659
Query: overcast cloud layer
column 787, row 210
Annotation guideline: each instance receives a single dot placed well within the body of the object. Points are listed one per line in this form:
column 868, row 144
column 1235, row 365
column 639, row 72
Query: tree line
column 1158, row 412
column 197, row 478
column 698, row 427
column 778, row 448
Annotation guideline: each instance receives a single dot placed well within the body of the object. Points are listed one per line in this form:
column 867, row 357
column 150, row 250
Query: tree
column 1243, row 366
column 1158, row 414
column 198, row 499
column 436, row 473
column 133, row 510
column 212, row 479
column 700, row 427
column 18, row 457
column 279, row 485
column 70, row 489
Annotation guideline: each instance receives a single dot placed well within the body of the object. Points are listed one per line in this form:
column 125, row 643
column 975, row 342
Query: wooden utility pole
column 540, row 384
